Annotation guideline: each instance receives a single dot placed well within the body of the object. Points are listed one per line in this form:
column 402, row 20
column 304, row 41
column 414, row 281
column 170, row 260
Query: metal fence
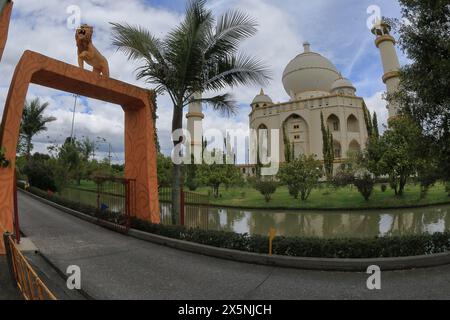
column 116, row 201
column 27, row 280
column 194, row 208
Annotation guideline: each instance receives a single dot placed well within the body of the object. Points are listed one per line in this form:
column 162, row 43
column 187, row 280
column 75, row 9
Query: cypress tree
column 328, row 150
column 375, row 130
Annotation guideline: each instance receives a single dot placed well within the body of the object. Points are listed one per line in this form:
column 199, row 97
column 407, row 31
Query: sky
column 337, row 29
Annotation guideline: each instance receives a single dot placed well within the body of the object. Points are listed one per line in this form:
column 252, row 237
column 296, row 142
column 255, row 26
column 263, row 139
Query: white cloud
column 335, row 29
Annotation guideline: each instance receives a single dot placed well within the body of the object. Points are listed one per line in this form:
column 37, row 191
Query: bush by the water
column 401, row 246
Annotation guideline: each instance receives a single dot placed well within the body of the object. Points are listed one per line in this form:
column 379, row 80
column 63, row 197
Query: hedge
column 379, row 247
column 399, row 246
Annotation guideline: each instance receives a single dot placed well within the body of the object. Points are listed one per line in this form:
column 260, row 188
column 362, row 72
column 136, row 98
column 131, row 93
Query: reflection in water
column 324, row 224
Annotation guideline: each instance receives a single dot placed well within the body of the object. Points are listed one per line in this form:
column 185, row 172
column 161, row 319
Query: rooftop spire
column 307, row 47
column 262, row 92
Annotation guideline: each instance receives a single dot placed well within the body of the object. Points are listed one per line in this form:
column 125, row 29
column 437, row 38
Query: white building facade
column 315, row 86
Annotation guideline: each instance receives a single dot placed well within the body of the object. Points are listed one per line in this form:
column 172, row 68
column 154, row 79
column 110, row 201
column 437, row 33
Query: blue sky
column 335, row 28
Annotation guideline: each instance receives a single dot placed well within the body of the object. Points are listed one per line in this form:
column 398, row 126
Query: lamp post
column 73, row 117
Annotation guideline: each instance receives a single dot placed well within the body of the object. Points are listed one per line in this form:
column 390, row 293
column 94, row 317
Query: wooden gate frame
column 140, row 147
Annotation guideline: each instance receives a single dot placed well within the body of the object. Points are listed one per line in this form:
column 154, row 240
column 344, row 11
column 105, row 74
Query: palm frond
column 232, row 28
column 236, row 70
column 137, row 43
column 186, row 42
column 221, row 103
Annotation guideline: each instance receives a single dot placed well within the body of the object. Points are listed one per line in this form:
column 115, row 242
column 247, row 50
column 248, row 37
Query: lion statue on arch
column 88, row 53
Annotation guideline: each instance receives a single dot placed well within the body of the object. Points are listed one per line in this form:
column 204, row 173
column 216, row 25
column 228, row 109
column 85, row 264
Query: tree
column 267, row 187
column 368, row 120
column 365, row 183
column 191, row 175
column 424, row 83
column 216, row 175
column 328, row 149
column 301, row 176
column 33, row 122
column 40, row 172
column 199, row 56
column 375, row 129
column 87, row 148
column 400, row 159
column 164, row 171
column 70, row 156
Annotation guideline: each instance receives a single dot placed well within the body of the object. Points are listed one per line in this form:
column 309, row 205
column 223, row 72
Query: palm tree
column 33, row 122
column 199, row 56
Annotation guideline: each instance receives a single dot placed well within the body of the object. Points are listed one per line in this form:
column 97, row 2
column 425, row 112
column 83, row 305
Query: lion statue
column 88, row 53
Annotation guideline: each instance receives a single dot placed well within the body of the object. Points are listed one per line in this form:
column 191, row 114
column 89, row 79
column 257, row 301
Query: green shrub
column 266, row 187
column 365, row 184
column 343, row 179
column 383, row 188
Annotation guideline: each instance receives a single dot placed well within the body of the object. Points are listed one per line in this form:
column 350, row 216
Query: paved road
column 8, row 290
column 115, row 266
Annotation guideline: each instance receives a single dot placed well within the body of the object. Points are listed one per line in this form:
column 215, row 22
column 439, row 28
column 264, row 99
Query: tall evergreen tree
column 328, row 149
column 375, row 128
column 368, row 121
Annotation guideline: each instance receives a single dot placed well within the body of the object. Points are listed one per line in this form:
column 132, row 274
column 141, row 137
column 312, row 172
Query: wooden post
column 272, row 235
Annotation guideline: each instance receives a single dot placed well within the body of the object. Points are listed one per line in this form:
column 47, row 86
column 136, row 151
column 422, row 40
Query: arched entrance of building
column 140, row 150
column 296, row 133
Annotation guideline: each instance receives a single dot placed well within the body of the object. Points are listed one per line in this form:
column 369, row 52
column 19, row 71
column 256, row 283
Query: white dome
column 342, row 83
column 262, row 98
column 309, row 71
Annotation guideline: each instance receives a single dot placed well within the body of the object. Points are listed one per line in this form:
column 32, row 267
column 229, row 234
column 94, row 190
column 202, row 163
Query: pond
column 324, row 224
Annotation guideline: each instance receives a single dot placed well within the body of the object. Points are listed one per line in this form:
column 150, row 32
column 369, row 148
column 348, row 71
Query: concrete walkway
column 115, row 266
column 8, row 290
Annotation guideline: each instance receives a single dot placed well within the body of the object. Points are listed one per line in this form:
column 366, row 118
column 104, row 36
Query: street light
column 73, row 117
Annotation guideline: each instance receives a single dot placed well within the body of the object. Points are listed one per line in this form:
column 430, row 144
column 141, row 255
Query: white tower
column 386, row 43
column 195, row 118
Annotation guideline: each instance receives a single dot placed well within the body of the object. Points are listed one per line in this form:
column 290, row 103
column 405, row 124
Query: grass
column 330, row 198
column 324, row 197
column 85, row 185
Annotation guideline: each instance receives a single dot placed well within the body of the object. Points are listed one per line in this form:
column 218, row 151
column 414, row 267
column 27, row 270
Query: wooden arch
column 140, row 149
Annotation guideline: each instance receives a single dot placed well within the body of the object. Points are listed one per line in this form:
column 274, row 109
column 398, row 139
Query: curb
column 318, row 264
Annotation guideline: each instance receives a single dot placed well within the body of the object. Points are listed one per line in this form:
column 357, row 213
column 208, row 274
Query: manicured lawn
column 330, row 198
column 85, row 185
column 322, row 198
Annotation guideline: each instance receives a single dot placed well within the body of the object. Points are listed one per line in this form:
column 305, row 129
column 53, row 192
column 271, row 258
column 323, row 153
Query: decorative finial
column 262, row 92
column 307, row 47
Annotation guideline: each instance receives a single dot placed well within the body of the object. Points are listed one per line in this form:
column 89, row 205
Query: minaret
column 386, row 43
column 195, row 118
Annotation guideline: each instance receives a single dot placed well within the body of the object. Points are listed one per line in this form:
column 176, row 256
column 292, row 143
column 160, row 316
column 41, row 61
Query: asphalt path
column 115, row 266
